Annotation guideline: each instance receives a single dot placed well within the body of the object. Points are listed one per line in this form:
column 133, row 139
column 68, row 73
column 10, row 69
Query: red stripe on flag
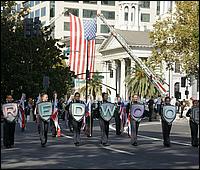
column 80, row 46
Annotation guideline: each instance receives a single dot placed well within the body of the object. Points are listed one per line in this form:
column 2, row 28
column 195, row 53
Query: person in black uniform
column 42, row 124
column 76, row 125
column 8, row 128
column 166, row 127
column 117, row 115
column 134, row 124
column 193, row 125
column 104, row 125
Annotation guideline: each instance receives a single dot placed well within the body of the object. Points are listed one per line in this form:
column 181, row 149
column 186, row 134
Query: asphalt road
column 61, row 153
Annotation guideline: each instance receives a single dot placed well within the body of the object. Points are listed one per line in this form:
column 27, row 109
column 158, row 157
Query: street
column 61, row 153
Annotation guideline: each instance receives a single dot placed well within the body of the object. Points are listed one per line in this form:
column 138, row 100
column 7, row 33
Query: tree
column 26, row 60
column 94, row 86
column 138, row 83
column 176, row 37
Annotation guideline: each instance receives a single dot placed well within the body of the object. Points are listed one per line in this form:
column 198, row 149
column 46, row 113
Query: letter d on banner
column 78, row 111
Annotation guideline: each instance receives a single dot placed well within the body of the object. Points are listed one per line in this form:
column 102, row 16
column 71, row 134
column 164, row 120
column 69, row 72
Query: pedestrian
column 29, row 110
column 22, row 116
column 42, row 123
column 193, row 123
column 158, row 104
column 104, row 124
column 68, row 116
column 54, row 120
column 166, row 127
column 134, row 123
column 118, row 112
column 9, row 124
column 183, row 105
column 151, row 108
column 76, row 124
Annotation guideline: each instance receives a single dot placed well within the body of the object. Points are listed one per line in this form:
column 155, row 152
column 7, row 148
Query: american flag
column 82, row 36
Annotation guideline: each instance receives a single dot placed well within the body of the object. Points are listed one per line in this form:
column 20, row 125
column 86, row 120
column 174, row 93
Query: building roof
column 133, row 38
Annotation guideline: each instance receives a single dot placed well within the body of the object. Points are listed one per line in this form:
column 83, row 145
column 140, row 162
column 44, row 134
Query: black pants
column 117, row 123
column 77, row 130
column 53, row 128
column 8, row 133
column 150, row 113
column 43, row 130
column 166, row 128
column 70, row 121
column 194, row 133
column 104, row 125
column 88, row 125
column 134, row 130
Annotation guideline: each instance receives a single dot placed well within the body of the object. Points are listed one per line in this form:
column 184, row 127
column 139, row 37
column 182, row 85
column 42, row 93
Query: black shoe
column 166, row 145
column 76, row 144
column 195, row 145
column 43, row 144
column 106, row 144
column 134, row 144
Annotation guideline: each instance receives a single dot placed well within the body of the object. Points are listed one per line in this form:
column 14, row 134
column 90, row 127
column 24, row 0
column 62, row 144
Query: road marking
column 117, row 150
column 107, row 147
column 156, row 139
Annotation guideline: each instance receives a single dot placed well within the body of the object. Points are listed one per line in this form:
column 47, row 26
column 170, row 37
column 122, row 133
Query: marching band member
column 134, row 123
column 118, row 111
column 68, row 116
column 193, row 124
column 42, row 124
column 104, row 125
column 54, row 120
column 76, row 124
column 166, row 126
column 8, row 127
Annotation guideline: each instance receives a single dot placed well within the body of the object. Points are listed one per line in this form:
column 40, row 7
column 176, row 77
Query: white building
column 133, row 18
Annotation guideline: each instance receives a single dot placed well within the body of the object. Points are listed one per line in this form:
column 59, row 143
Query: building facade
column 133, row 18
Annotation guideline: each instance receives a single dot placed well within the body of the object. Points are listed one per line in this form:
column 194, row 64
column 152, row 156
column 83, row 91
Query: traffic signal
column 183, row 81
column 111, row 73
column 28, row 27
column 37, row 27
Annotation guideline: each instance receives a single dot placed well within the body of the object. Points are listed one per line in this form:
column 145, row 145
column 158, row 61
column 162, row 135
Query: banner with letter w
column 107, row 111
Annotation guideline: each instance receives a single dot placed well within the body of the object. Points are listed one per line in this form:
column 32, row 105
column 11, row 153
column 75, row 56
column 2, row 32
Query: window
column 25, row 4
column 145, row 4
column 18, row 7
column 177, row 67
column 145, row 17
column 90, row 2
column 105, row 29
column 43, row 12
column 158, row 8
column 32, row 15
column 52, row 9
column 126, row 13
column 109, row 14
column 37, row 13
column 37, row 2
column 31, row 3
column 72, row 11
column 89, row 13
column 111, row 3
column 71, row 1
column 170, row 5
column 66, row 26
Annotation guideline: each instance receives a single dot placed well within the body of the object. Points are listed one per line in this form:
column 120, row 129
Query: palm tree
column 137, row 82
column 94, row 86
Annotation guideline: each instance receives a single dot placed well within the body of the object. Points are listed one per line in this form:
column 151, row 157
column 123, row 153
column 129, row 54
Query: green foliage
column 26, row 60
column 138, row 83
column 94, row 86
column 176, row 38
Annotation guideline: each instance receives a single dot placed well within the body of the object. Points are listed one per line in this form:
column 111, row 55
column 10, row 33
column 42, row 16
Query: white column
column 105, row 77
column 136, row 17
column 122, row 83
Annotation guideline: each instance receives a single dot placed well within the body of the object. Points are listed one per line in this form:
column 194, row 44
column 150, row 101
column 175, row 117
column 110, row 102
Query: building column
column 122, row 83
column 104, row 68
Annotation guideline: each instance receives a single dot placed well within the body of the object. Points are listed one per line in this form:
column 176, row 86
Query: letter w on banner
column 82, row 40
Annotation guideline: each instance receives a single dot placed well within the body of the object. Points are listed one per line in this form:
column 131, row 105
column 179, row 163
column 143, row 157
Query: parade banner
column 169, row 113
column 45, row 110
column 195, row 115
column 77, row 110
column 10, row 111
column 137, row 111
column 107, row 111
